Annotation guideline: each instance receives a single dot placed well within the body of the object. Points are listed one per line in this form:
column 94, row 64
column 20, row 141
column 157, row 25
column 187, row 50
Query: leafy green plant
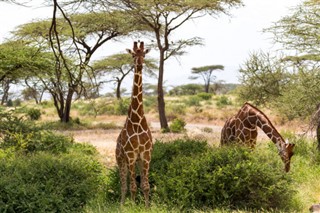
column 34, row 114
column 223, row 101
column 193, row 101
column 187, row 174
column 205, row 96
column 178, row 125
column 48, row 183
column 224, row 177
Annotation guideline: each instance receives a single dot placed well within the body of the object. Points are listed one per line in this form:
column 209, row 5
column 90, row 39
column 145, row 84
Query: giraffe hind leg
column 133, row 184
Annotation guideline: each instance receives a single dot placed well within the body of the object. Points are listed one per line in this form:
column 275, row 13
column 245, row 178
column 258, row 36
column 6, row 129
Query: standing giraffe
column 134, row 143
column 242, row 129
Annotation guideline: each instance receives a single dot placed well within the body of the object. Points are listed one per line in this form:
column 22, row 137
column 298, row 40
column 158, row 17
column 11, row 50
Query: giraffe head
column 138, row 53
column 286, row 152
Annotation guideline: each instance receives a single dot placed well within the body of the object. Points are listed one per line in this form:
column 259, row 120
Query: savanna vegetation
column 45, row 167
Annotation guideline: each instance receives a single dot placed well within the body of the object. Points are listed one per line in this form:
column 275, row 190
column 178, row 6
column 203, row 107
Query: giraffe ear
column 146, row 51
column 129, row 51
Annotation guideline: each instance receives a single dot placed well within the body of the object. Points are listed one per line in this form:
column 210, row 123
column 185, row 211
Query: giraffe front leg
column 123, row 169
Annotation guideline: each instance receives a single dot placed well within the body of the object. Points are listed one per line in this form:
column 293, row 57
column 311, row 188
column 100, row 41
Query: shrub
column 36, row 141
column 10, row 103
column 188, row 174
column 150, row 103
column 204, row 96
column 222, row 177
column 48, row 183
column 175, row 110
column 121, row 106
column 34, row 114
column 223, row 101
column 193, row 101
column 177, row 125
column 23, row 135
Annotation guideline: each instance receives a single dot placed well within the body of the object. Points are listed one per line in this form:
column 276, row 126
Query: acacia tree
column 205, row 72
column 119, row 66
column 262, row 78
column 18, row 61
column 73, row 39
column 163, row 18
column 299, row 32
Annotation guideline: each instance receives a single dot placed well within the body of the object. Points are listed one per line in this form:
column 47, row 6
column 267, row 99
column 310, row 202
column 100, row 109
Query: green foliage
column 187, row 89
column 193, row 100
column 22, row 135
column 48, row 183
column 262, row 78
column 223, row 101
column 178, row 125
column 229, row 177
column 9, row 103
column 121, row 106
column 150, row 103
column 174, row 110
column 303, row 88
column 34, row 114
column 204, row 96
column 41, row 171
column 188, row 174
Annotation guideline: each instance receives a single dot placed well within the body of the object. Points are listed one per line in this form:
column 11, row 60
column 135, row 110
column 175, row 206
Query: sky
column 228, row 41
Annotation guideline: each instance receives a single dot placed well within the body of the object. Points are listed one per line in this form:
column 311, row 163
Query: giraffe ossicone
column 134, row 143
column 242, row 129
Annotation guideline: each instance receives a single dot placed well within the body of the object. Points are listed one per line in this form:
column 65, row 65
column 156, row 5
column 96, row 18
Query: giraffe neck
column 258, row 118
column 136, row 97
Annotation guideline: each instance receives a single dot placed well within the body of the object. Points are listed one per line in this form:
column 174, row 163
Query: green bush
column 36, row 141
column 23, row 135
column 175, row 110
column 188, row 174
column 34, row 114
column 193, row 101
column 10, row 103
column 205, row 96
column 150, row 103
column 227, row 177
column 223, row 101
column 48, row 183
column 177, row 125
column 121, row 106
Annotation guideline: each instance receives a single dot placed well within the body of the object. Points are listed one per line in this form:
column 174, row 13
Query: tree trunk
column 66, row 114
column 161, row 103
column 63, row 105
column 5, row 87
column 206, row 88
column 118, row 91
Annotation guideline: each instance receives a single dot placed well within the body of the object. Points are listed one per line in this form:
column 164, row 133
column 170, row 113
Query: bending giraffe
column 242, row 129
column 134, row 143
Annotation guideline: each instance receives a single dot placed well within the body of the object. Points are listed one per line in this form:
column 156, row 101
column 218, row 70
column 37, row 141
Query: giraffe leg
column 133, row 184
column 123, row 178
column 145, row 181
